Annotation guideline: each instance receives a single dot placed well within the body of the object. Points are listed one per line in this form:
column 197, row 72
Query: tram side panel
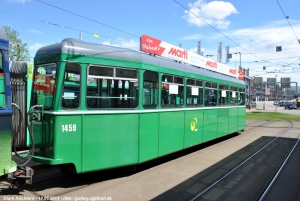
column 233, row 120
column 171, row 132
column 58, row 140
column 193, row 128
column 44, row 137
column 148, row 136
column 109, row 140
column 223, row 117
column 67, row 140
column 241, row 118
column 210, row 125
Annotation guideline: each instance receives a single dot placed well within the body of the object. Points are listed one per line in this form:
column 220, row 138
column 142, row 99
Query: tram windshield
column 44, row 85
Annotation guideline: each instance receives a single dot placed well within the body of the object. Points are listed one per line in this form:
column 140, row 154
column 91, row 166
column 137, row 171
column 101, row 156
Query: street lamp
column 240, row 57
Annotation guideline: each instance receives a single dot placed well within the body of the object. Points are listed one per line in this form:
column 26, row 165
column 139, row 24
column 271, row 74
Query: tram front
column 40, row 117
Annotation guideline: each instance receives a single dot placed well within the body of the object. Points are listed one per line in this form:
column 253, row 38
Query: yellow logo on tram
column 194, row 124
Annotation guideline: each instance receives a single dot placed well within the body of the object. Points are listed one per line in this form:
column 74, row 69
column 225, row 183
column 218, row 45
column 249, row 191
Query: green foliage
column 17, row 49
column 272, row 116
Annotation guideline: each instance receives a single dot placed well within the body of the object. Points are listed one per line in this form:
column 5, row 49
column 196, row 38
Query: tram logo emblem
column 194, row 124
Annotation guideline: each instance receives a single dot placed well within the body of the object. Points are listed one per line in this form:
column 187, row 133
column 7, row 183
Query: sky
column 252, row 28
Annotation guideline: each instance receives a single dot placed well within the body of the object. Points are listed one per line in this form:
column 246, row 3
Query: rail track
column 253, row 177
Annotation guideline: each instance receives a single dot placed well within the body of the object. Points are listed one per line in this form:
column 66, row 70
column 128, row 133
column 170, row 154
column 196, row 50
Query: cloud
column 213, row 13
column 36, row 31
column 120, row 42
column 18, row 1
column 259, row 45
column 261, row 42
column 36, row 46
column 262, row 39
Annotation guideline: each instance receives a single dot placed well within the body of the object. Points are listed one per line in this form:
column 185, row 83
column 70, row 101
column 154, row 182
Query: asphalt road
column 270, row 107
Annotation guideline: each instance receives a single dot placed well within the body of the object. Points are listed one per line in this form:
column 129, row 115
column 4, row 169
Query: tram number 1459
column 68, row 127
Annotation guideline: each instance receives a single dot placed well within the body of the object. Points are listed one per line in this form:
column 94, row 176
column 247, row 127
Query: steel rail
column 267, row 189
column 257, row 126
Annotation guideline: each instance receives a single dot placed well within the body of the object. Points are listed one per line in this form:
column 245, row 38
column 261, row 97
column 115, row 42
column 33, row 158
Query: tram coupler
column 23, row 175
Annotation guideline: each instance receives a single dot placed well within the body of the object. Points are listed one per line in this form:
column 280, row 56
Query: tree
column 17, row 49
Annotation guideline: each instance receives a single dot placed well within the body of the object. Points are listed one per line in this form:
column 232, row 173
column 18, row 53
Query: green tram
column 97, row 107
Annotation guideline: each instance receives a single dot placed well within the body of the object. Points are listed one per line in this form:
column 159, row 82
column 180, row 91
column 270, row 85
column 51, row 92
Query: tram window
column 125, row 73
column 71, row 90
column 190, row 82
column 172, row 95
column 178, row 80
column 210, row 94
column 116, row 89
column 194, row 93
column 167, row 78
column 223, row 95
column 105, row 72
column 199, row 83
column 150, row 97
column 208, row 84
column 241, row 97
column 44, row 85
column 233, row 96
column 2, row 84
column 172, row 91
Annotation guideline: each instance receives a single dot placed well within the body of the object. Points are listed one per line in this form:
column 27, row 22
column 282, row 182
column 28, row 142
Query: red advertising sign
column 151, row 45
column 241, row 75
column 154, row 46
column 44, row 84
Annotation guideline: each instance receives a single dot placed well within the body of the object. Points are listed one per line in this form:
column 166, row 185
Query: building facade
column 273, row 89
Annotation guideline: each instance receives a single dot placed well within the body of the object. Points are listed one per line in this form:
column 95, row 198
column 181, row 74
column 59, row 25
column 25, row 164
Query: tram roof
column 75, row 46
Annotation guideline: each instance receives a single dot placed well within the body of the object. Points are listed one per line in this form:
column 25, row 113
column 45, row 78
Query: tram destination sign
column 157, row 47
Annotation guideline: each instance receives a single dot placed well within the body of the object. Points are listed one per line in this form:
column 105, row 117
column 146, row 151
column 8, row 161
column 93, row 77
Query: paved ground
column 166, row 180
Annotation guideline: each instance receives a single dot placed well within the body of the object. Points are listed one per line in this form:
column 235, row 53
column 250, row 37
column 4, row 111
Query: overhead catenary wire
column 220, row 32
column 248, row 52
column 287, row 19
column 83, row 31
column 67, row 27
column 87, row 18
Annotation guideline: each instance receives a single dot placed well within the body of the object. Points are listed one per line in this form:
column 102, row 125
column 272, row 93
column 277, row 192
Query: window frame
column 34, row 85
column 209, row 85
column 223, row 87
column 194, row 84
column 155, row 88
column 109, row 79
column 233, row 101
column 79, row 87
column 166, row 84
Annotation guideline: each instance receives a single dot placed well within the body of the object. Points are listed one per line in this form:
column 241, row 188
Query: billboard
column 157, row 47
